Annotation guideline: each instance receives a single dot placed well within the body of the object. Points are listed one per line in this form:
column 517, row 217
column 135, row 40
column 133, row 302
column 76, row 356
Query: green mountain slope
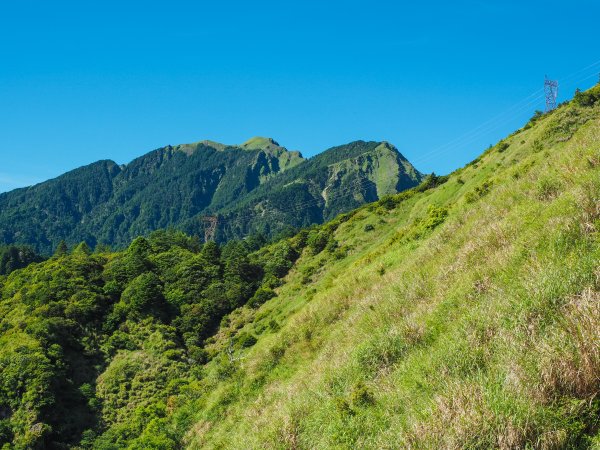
column 178, row 186
column 462, row 313
column 465, row 316
column 335, row 181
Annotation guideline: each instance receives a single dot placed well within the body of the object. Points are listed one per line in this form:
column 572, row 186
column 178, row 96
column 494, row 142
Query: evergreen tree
column 61, row 249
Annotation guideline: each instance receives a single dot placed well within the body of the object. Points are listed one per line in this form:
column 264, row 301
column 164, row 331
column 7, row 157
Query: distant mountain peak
column 260, row 143
column 214, row 144
column 188, row 149
column 387, row 145
column 255, row 143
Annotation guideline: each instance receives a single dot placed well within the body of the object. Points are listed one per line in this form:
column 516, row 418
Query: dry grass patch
column 462, row 419
column 573, row 368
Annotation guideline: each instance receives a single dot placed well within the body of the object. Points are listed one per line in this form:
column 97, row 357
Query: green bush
column 431, row 181
column 435, row 216
column 388, row 202
column 537, row 146
column 361, row 395
column 478, row 192
column 503, row 146
column 245, row 340
column 262, row 295
column 537, row 115
column 548, row 188
column 317, row 241
column 587, row 98
column 332, row 245
column 343, row 407
column 273, row 325
column 280, row 259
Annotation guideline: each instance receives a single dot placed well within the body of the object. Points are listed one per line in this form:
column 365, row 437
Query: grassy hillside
column 462, row 313
column 465, row 316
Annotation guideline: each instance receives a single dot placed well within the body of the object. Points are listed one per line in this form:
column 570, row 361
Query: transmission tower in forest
column 209, row 224
column 551, row 91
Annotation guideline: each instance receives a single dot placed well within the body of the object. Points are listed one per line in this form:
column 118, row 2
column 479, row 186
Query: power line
column 468, row 137
column 471, row 137
column 499, row 120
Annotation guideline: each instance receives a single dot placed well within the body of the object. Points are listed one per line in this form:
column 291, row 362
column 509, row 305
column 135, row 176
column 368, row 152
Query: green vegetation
column 461, row 313
column 13, row 257
column 587, row 98
column 467, row 317
column 258, row 187
column 94, row 345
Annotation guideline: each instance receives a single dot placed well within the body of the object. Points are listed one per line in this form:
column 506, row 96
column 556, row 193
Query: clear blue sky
column 82, row 81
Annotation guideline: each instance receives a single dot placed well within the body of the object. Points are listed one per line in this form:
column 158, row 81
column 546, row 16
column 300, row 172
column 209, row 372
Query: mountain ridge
column 175, row 186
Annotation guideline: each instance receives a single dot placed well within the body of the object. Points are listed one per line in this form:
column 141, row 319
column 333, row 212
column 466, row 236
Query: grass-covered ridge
column 466, row 316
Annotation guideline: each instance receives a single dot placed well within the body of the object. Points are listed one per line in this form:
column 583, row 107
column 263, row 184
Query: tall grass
column 467, row 317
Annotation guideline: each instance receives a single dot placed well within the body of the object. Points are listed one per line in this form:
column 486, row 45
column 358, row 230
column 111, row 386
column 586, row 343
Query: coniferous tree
column 61, row 249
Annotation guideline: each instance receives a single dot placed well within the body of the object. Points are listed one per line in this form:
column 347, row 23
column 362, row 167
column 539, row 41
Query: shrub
column 430, row 182
column 361, row 395
column 343, row 407
column 332, row 245
column 435, row 216
column 537, row 146
column 548, row 188
column 280, row 260
column 473, row 163
column 478, row 192
column 273, row 356
column 261, row 295
column 245, row 340
column 317, row 241
column 537, row 115
column 587, row 98
column 273, row 325
column 198, row 355
column 502, row 146
column 388, row 202
column 369, row 227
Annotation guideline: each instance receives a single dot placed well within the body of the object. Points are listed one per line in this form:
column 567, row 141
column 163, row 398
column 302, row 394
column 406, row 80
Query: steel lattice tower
column 209, row 224
column 551, row 91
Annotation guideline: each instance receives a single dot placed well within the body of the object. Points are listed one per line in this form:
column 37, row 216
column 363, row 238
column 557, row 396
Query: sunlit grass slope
column 462, row 316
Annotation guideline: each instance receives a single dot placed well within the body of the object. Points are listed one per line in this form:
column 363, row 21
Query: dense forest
column 257, row 187
column 13, row 257
column 94, row 344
